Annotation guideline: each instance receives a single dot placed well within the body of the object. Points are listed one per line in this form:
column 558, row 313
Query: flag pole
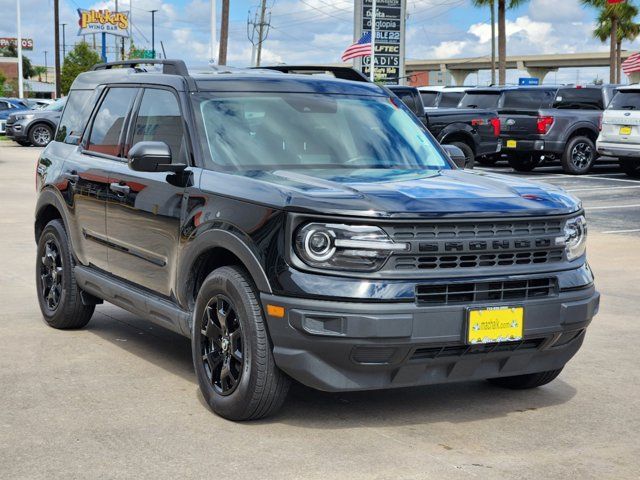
column 372, row 72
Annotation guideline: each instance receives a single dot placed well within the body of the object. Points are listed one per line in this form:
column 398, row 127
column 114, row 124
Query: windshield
column 527, row 99
column 480, row 100
column 450, row 99
column 56, row 106
column 429, row 98
column 626, row 100
column 266, row 131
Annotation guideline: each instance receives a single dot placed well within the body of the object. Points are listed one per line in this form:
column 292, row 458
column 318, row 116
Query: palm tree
column 491, row 5
column 39, row 71
column 503, row 5
column 611, row 16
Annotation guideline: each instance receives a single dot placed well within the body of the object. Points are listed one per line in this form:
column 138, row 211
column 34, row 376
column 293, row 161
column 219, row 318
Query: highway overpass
column 535, row 65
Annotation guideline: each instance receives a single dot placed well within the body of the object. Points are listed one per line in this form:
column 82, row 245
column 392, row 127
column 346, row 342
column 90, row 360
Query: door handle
column 72, row 176
column 119, row 188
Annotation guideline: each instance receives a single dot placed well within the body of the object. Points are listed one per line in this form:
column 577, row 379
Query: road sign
column 142, row 54
column 529, row 81
column 389, row 41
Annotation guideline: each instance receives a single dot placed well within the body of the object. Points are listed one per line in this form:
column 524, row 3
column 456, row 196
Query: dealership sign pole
column 19, row 41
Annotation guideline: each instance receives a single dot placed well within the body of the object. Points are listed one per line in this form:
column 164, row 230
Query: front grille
column 431, row 353
column 489, row 244
column 496, row 291
column 475, row 230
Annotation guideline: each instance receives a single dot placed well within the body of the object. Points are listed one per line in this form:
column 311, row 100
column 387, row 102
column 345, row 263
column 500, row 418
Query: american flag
column 631, row 64
column 361, row 48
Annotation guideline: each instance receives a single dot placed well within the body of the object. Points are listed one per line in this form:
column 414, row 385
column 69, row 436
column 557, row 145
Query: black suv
column 301, row 227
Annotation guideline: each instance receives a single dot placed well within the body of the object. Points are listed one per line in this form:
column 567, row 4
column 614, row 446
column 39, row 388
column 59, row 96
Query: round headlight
column 319, row 245
column 575, row 237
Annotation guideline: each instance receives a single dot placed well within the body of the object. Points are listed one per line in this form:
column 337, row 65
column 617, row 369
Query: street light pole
column 46, row 68
column 64, row 43
column 20, row 85
column 212, row 45
column 153, row 32
column 56, row 28
column 372, row 67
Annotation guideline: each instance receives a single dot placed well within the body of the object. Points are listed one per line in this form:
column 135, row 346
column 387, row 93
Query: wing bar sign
column 103, row 21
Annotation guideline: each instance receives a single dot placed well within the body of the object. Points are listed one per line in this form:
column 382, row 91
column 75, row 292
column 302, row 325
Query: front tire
column 58, row 291
column 232, row 352
column 40, row 135
column 23, row 143
column 469, row 156
column 524, row 382
column 578, row 156
column 630, row 166
column 523, row 162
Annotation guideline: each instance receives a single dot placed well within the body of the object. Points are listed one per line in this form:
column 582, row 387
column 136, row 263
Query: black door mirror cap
column 152, row 157
column 456, row 155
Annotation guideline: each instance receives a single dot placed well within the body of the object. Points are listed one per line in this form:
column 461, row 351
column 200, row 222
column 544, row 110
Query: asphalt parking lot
column 119, row 399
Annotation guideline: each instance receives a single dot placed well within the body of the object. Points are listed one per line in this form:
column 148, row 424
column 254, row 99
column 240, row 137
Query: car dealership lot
column 120, row 399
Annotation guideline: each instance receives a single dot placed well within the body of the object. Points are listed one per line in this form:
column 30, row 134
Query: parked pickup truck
column 474, row 131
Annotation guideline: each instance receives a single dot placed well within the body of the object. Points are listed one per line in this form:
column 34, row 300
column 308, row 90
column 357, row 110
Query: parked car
column 35, row 127
column 300, row 227
column 441, row 96
column 7, row 107
column 38, row 103
column 476, row 132
column 517, row 107
column 620, row 133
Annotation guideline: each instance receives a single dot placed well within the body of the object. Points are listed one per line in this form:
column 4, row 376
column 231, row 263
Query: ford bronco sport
column 301, row 227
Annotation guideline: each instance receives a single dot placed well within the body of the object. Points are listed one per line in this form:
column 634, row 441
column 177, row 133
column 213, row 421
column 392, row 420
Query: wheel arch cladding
column 211, row 250
column 459, row 136
column 583, row 131
column 46, row 210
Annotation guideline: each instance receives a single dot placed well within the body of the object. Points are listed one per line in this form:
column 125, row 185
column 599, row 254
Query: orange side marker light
column 275, row 311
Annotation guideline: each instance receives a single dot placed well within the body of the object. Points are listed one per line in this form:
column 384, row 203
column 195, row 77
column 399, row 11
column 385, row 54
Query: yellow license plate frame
column 512, row 144
column 494, row 324
column 625, row 130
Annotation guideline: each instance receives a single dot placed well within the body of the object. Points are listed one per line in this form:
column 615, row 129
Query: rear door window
column 109, row 121
column 526, row 99
column 626, row 100
column 480, row 100
column 450, row 99
column 579, row 99
column 429, row 98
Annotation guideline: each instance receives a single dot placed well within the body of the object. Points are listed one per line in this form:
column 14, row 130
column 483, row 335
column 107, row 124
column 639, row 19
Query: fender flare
column 217, row 238
column 580, row 125
column 463, row 130
column 47, row 122
column 49, row 197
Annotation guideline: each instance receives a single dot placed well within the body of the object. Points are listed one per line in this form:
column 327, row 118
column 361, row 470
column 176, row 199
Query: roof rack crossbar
column 170, row 67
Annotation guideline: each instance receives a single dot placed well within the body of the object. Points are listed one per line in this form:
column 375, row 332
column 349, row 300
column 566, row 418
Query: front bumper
column 16, row 131
column 340, row 346
column 624, row 150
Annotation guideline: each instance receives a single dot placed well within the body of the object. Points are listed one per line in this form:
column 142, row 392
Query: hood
column 37, row 113
column 398, row 193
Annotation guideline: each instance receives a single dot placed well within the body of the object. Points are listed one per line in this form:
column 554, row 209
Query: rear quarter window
column 579, row 99
column 480, row 100
column 626, row 100
column 75, row 115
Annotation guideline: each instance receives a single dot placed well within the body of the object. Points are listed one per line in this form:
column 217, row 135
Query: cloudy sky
column 307, row 31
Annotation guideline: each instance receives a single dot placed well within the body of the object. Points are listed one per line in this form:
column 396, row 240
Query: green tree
column 27, row 69
column 3, row 85
column 611, row 15
column 78, row 60
column 38, row 71
column 492, row 7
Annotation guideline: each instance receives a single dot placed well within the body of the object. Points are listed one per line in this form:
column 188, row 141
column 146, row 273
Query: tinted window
column 579, row 98
column 450, row 99
column 626, row 100
column 409, row 100
column 159, row 120
column 527, row 99
column 429, row 98
column 480, row 100
column 108, row 122
column 75, row 115
column 56, row 106
column 4, row 106
column 265, row 131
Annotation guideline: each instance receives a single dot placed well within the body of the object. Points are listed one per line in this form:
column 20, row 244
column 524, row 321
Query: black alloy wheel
column 51, row 269
column 222, row 346
column 579, row 155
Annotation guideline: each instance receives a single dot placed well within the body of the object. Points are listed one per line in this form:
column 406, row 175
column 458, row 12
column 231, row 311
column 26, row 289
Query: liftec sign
column 103, row 21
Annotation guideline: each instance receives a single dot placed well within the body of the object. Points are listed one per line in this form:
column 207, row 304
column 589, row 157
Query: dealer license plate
column 495, row 324
column 512, row 144
column 625, row 130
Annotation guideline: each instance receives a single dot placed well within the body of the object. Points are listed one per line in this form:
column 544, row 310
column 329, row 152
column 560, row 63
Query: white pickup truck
column 620, row 131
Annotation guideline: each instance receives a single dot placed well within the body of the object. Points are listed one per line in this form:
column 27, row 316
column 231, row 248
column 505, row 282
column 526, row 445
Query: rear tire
column 578, row 156
column 524, row 382
column 468, row 154
column 232, row 352
column 523, row 162
column 630, row 166
column 58, row 292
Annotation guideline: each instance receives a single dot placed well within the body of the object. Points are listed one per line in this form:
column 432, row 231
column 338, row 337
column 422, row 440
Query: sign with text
column 528, row 81
column 389, row 41
column 103, row 21
column 27, row 43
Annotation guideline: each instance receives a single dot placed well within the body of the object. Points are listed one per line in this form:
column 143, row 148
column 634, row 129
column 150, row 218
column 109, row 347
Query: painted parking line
column 632, row 230
column 615, row 187
column 611, row 207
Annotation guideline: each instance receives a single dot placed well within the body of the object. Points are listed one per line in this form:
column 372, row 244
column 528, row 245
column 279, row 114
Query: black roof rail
column 343, row 73
column 170, row 67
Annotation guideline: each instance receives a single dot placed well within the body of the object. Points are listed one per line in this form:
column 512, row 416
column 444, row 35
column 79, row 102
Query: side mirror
column 456, row 155
column 152, row 157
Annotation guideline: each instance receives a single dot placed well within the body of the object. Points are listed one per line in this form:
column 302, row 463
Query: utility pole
column 115, row 39
column 224, row 33
column 212, row 40
column 56, row 28
column 263, row 9
column 64, row 43
column 153, row 33
column 493, row 42
column 19, row 39
column 261, row 27
column 372, row 67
